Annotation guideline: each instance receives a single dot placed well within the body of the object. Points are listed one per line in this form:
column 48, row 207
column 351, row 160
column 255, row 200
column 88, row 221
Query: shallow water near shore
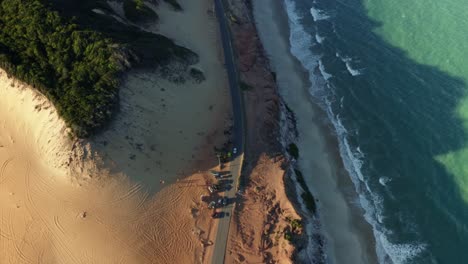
column 391, row 77
column 349, row 238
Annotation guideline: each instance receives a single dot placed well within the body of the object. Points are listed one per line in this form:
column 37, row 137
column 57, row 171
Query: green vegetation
column 245, row 87
column 288, row 236
column 77, row 70
column 197, row 75
column 136, row 11
column 174, row 4
column 296, row 224
column 293, row 150
column 75, row 56
column 307, row 196
column 309, row 201
column 274, row 75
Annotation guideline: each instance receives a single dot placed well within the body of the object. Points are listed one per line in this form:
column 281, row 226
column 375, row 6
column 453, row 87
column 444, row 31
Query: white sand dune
column 102, row 201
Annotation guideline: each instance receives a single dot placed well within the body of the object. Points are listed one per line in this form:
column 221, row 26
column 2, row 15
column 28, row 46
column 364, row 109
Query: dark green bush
column 307, row 196
column 76, row 69
column 245, row 87
column 296, row 224
column 309, row 201
column 293, row 150
column 197, row 75
column 75, row 57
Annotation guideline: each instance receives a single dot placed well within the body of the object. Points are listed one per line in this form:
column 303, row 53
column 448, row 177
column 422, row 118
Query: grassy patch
column 137, row 12
column 293, row 150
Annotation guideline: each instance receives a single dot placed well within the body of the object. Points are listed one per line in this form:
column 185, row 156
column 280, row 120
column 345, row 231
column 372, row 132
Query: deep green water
column 395, row 90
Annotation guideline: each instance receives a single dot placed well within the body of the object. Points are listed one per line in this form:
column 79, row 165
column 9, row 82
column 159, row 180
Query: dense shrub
column 76, row 69
column 293, row 150
column 307, row 196
column 74, row 56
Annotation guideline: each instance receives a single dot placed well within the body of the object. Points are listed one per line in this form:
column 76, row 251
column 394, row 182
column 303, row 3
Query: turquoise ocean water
column 392, row 76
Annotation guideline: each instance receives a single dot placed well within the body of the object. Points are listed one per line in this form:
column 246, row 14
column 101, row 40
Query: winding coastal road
column 238, row 134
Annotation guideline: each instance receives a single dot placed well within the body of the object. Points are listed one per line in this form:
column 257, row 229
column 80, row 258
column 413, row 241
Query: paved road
column 238, row 135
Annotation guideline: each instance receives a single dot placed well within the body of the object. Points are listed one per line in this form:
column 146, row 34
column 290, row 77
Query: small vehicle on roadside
column 224, row 201
column 212, row 205
column 213, row 188
column 234, row 151
column 217, row 214
column 224, row 176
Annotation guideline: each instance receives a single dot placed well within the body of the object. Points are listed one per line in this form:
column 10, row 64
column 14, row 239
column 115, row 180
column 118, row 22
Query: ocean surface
column 392, row 76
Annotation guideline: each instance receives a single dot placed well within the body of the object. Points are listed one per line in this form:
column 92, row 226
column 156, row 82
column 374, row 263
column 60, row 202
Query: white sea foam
column 348, row 62
column 353, row 72
column 300, row 41
column 319, row 38
column 399, row 253
column 324, row 73
column 318, row 14
column 373, row 206
column 384, row 180
column 353, row 158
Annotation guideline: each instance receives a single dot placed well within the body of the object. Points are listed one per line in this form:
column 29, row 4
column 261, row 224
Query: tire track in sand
column 33, row 207
column 3, row 169
column 113, row 232
column 17, row 246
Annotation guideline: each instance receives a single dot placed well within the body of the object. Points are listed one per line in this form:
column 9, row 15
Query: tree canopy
column 76, row 69
column 75, row 56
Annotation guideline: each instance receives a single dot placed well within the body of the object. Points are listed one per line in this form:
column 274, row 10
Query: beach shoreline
column 349, row 237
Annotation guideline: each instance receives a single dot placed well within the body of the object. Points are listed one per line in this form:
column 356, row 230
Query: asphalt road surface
column 238, row 134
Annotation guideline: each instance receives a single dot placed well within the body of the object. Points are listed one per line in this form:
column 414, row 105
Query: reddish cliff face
column 262, row 224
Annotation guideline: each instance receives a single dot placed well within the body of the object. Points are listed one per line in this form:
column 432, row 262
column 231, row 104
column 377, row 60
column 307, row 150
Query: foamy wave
column 318, row 14
column 349, row 67
column 384, row 180
column 353, row 158
column 325, row 74
column 300, row 41
column 399, row 253
column 319, row 38
column 353, row 72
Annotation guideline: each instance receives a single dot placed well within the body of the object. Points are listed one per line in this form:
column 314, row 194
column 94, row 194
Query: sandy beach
column 130, row 194
column 349, row 238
